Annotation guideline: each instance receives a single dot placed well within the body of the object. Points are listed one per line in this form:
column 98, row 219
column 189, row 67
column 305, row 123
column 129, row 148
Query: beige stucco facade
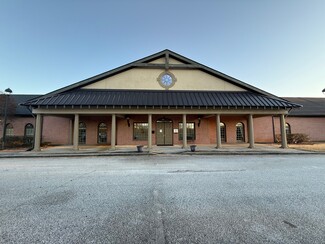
column 146, row 79
column 163, row 60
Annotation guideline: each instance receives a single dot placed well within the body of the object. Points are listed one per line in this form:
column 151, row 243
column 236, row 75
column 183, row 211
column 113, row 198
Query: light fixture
column 4, row 128
column 199, row 119
column 8, row 90
column 128, row 120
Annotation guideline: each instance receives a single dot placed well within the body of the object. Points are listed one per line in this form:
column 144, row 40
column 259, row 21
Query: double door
column 164, row 133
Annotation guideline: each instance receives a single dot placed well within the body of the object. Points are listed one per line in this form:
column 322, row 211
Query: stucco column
column 149, row 131
column 76, row 132
column 218, row 131
column 251, row 131
column 38, row 132
column 283, row 132
column 113, row 132
column 184, row 132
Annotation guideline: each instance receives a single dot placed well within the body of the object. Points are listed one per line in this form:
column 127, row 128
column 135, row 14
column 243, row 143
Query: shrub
column 18, row 141
column 296, row 138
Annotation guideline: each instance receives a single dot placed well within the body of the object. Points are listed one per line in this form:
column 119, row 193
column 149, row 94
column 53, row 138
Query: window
column 29, row 130
column 102, row 133
column 9, row 130
column 240, row 133
column 140, row 131
column 190, row 131
column 82, row 133
column 223, row 132
column 288, row 129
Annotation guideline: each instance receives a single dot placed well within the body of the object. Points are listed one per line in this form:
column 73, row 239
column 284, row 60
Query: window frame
column 223, row 132
column 102, row 139
column 143, row 136
column 9, row 130
column 242, row 132
column 180, row 131
column 29, row 127
column 288, row 129
column 82, row 140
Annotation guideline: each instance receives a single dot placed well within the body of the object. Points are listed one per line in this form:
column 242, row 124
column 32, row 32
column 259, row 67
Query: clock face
column 166, row 80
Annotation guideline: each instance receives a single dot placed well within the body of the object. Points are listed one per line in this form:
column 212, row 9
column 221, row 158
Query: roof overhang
column 159, row 99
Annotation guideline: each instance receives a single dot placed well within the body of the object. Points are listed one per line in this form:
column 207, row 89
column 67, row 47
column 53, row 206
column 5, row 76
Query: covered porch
column 159, row 117
column 160, row 128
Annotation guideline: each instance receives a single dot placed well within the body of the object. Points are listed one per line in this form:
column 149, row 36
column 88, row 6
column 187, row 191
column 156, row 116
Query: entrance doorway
column 164, row 133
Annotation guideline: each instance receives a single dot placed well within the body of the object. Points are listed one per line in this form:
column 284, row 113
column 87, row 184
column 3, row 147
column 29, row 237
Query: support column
column 283, row 132
column 38, row 133
column 76, row 132
column 184, row 132
column 113, row 132
column 149, row 131
column 218, row 131
column 251, row 131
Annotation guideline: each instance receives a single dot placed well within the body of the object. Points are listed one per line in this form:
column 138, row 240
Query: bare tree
column 11, row 107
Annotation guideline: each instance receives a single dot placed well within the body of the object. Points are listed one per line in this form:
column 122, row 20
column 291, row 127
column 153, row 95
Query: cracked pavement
column 163, row 199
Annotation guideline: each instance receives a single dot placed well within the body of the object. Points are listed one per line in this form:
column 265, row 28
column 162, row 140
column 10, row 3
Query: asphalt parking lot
column 163, row 199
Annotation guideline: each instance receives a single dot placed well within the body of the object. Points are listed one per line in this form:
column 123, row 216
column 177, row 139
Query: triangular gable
column 138, row 74
column 147, row 79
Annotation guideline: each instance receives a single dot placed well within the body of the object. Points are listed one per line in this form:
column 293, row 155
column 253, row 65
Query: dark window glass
column 140, row 131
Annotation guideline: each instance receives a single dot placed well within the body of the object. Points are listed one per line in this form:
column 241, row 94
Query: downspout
column 288, row 112
column 273, row 129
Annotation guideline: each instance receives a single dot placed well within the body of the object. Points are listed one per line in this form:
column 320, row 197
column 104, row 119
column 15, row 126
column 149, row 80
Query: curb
column 147, row 153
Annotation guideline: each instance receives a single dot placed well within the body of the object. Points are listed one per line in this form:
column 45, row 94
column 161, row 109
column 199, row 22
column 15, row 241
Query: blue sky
column 275, row 45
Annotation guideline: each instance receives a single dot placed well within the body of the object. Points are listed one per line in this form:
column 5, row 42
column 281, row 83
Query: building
column 159, row 100
column 310, row 119
column 21, row 123
column 20, row 120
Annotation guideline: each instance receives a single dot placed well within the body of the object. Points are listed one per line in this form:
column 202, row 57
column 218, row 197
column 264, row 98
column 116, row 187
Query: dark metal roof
column 87, row 97
column 312, row 106
column 17, row 99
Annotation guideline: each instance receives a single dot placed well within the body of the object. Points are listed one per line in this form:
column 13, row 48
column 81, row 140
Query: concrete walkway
column 227, row 149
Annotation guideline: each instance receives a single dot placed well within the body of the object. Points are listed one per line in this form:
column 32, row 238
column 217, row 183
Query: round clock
column 166, row 79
